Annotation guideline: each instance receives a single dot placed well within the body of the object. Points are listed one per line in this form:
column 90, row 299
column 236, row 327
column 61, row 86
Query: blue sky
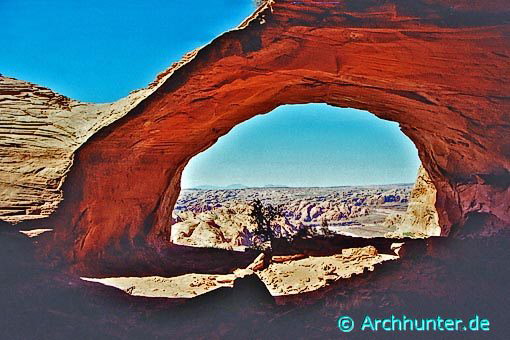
column 307, row 145
column 99, row 51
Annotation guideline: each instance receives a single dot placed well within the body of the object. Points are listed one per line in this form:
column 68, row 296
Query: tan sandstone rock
column 420, row 218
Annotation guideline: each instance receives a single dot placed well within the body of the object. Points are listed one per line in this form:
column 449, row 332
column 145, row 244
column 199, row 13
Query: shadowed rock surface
column 449, row 277
column 284, row 275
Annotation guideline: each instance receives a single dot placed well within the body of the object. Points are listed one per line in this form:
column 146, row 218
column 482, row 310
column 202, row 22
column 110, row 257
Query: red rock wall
column 441, row 68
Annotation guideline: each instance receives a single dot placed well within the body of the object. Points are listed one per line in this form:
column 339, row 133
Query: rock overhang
column 439, row 68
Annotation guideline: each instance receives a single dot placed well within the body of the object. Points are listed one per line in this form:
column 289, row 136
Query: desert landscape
column 353, row 211
column 223, row 218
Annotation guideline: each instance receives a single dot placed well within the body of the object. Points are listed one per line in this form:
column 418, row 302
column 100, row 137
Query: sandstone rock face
column 439, row 68
column 286, row 275
column 312, row 273
column 221, row 218
column 39, row 132
column 421, row 217
column 226, row 228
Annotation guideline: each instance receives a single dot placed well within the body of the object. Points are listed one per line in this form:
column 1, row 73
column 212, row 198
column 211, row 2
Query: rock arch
column 439, row 68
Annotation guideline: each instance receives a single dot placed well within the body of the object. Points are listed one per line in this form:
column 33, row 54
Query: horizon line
column 269, row 186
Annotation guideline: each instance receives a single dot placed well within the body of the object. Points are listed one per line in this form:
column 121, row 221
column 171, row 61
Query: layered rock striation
column 39, row 132
column 420, row 218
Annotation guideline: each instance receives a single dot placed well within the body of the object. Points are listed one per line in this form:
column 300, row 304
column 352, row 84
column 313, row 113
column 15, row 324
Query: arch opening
column 366, row 64
column 308, row 171
column 431, row 81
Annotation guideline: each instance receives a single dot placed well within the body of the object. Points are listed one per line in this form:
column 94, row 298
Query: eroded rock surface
column 286, row 275
column 420, row 219
column 439, row 68
column 223, row 218
column 184, row 286
column 312, row 273
column 39, row 132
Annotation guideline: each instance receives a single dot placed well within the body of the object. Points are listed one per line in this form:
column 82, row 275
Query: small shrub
column 263, row 216
column 301, row 233
column 325, row 227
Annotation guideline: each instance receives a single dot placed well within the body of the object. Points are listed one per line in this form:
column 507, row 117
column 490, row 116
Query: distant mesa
column 219, row 187
column 281, row 186
column 275, row 186
column 234, row 187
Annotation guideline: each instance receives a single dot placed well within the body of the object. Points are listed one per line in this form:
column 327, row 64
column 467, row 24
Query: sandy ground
column 289, row 277
column 312, row 273
column 34, row 232
column 184, row 286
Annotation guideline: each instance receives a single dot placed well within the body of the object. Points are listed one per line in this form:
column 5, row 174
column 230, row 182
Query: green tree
column 263, row 216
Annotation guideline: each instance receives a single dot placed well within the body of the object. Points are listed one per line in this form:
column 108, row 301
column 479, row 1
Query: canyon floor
column 221, row 218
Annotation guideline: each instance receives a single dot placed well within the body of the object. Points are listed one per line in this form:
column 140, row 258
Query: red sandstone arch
column 440, row 68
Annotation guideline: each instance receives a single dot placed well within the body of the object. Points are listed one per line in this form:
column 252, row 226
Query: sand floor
column 184, row 286
column 312, row 273
column 281, row 278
